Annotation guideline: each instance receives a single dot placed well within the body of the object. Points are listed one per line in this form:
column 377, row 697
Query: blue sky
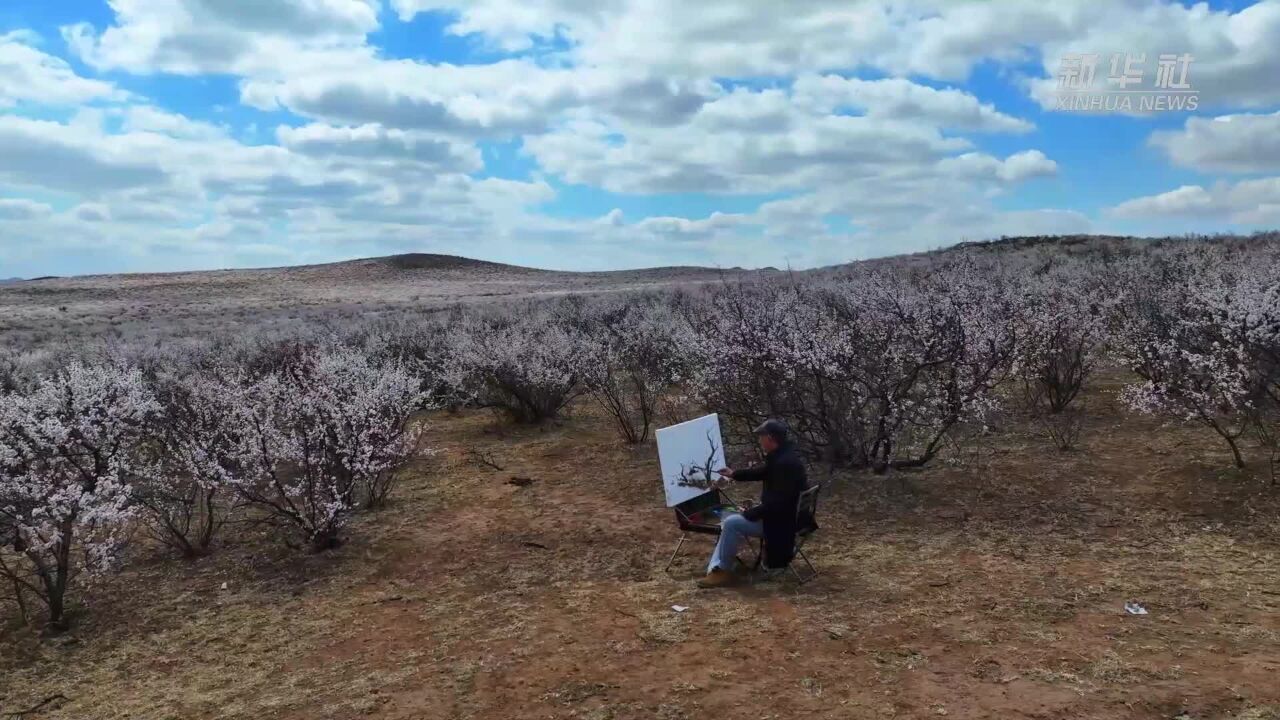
column 142, row 135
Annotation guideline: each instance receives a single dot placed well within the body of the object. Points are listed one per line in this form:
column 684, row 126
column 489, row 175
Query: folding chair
column 806, row 526
column 701, row 515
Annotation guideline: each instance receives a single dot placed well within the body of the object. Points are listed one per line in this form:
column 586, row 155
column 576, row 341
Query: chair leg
column 813, row 571
column 676, row 552
column 801, row 579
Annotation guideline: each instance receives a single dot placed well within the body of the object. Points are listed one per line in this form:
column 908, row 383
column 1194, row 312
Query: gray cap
column 774, row 427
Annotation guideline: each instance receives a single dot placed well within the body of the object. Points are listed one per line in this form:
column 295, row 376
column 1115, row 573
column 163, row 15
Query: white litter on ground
column 1133, row 608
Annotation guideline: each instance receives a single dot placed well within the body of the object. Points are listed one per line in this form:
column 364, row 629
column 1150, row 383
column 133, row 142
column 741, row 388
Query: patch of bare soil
column 988, row 588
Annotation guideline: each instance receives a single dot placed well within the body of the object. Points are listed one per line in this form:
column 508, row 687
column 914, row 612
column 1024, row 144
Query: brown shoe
column 716, row 578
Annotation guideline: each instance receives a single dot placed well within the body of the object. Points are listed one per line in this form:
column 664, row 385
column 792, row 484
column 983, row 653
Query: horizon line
column 939, row 248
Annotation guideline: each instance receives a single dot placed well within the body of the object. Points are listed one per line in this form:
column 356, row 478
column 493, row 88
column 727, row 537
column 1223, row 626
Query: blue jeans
column 734, row 532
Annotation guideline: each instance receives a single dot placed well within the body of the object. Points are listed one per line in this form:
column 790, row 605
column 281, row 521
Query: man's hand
column 726, row 472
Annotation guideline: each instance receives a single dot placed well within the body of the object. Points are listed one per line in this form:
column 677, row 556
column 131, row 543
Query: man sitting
column 783, row 478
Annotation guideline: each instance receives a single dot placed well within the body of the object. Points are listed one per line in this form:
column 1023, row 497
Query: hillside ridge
column 411, row 264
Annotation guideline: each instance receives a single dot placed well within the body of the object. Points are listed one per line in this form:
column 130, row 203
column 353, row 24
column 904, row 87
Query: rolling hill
column 44, row 311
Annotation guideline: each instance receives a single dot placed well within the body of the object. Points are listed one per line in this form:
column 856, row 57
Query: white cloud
column 1236, row 55
column 744, row 142
column 203, row 36
column 1020, row 166
column 1187, row 199
column 685, row 228
column 22, row 209
column 144, row 212
column 513, row 25
column 92, row 212
column 502, row 98
column 915, row 208
column 320, row 192
column 1025, row 165
column 146, row 118
column 41, row 154
column 899, row 99
column 1243, row 143
column 643, row 97
column 1248, row 202
column 30, row 75
column 738, row 39
column 499, row 99
column 412, row 151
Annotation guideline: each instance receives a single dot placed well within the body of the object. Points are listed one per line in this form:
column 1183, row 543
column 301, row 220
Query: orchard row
column 875, row 366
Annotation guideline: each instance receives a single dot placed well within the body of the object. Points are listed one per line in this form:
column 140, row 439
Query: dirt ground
column 988, row 588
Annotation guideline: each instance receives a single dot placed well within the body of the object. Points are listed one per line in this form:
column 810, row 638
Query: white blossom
column 67, row 452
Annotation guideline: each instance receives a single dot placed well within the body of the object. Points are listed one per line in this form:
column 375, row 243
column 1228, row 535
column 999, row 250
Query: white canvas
column 684, row 449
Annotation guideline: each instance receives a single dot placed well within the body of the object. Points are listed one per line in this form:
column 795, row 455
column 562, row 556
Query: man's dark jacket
column 784, row 478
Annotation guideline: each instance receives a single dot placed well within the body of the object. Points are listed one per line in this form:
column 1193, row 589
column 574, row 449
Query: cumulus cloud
column 50, row 155
column 1235, row 59
column 737, row 39
column 1248, row 202
column 1243, row 143
column 214, row 36
column 376, row 143
column 22, row 209
column 497, row 100
column 29, row 75
column 504, row 98
column 147, row 118
column 1015, row 168
column 899, row 99
column 745, row 142
column 92, row 212
column 1235, row 53
column 143, row 212
column 686, row 228
column 840, row 127
column 192, row 185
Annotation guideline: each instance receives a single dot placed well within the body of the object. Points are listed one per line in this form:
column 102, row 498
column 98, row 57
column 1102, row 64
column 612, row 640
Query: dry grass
column 957, row 591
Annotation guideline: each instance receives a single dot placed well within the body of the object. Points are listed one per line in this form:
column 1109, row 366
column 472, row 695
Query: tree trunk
column 57, row 584
column 1235, row 452
column 22, row 601
column 325, row 540
column 57, row 613
column 210, row 525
